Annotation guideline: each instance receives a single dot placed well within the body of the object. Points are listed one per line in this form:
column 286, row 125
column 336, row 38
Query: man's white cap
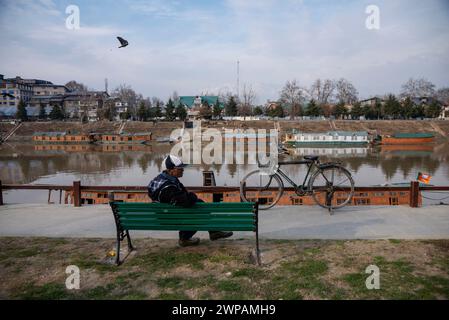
column 171, row 162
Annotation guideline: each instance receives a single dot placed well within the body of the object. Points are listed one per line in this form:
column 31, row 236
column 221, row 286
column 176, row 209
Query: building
column 49, row 89
column 13, row 90
column 84, row 104
column 38, row 93
column 444, row 115
column 193, row 104
column 119, row 106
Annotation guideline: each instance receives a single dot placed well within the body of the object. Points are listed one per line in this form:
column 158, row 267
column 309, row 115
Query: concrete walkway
column 289, row 222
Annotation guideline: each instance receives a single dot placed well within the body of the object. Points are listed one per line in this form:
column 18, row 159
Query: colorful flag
column 424, row 177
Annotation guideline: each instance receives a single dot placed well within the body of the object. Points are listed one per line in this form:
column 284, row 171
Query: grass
column 34, row 268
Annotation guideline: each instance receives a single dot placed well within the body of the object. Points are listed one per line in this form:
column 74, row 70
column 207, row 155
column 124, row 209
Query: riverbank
column 163, row 129
column 34, row 268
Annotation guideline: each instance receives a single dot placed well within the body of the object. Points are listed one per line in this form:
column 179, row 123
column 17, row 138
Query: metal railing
column 76, row 188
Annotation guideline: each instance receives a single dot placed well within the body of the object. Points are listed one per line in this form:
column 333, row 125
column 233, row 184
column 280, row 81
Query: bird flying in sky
column 123, row 42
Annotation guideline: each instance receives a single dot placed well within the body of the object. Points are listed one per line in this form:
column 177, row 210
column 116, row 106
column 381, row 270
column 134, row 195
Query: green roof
column 189, row 100
column 413, row 135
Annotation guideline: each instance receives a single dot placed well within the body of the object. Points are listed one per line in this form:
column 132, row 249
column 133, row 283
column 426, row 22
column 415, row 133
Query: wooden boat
column 408, row 138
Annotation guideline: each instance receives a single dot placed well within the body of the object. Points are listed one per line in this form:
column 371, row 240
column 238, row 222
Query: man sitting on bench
column 166, row 188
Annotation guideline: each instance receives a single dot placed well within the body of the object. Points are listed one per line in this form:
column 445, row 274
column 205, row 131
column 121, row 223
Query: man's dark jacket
column 168, row 189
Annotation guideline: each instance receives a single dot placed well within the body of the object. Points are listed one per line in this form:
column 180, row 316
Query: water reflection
column 137, row 164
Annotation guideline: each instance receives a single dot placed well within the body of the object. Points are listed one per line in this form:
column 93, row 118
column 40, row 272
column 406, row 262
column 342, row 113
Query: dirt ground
column 35, row 268
column 163, row 129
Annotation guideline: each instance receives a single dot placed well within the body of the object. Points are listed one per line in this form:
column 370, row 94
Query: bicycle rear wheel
column 262, row 187
column 332, row 187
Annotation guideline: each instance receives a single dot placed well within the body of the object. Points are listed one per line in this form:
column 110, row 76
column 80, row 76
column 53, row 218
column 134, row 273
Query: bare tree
column 248, row 98
column 156, row 102
column 292, row 95
column 127, row 95
column 417, row 88
column 76, row 86
column 346, row 92
column 443, row 95
column 175, row 97
column 322, row 91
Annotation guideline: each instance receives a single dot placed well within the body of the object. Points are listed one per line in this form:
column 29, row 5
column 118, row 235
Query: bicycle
column 330, row 184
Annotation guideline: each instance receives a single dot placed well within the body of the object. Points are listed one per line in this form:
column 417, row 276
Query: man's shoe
column 220, row 235
column 189, row 242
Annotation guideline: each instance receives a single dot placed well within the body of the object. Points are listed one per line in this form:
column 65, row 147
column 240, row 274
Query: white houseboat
column 331, row 138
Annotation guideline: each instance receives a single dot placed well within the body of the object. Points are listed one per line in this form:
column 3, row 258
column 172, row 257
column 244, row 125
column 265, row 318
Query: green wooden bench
column 218, row 216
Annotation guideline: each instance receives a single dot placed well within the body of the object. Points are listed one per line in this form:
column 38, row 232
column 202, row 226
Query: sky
column 192, row 47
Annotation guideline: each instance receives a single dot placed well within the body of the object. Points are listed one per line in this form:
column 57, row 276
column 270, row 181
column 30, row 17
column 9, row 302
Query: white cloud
column 199, row 48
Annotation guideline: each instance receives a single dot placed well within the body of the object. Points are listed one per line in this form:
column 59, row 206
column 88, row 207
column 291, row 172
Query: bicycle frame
column 303, row 186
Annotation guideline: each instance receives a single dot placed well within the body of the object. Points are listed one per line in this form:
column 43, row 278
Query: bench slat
column 186, row 210
column 185, row 215
column 189, row 227
column 200, row 204
column 188, row 221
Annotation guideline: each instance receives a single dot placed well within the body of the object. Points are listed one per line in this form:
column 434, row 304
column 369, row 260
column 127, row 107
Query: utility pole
column 238, row 76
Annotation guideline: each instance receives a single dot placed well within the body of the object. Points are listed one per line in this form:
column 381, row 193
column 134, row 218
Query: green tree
column 392, row 107
column 205, row 111
column 378, row 109
column 216, row 110
column 42, row 113
column 313, row 110
column 231, row 107
column 181, row 112
column 433, row 110
column 125, row 115
column 356, row 111
column 57, row 114
column 407, row 108
column 157, row 112
column 258, row 111
column 111, row 113
column 417, row 111
column 340, row 110
column 369, row 112
column 142, row 112
column 277, row 111
column 22, row 113
column 170, row 110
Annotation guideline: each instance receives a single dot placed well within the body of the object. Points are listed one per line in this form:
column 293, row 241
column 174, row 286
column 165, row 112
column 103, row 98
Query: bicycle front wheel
column 332, row 187
column 262, row 187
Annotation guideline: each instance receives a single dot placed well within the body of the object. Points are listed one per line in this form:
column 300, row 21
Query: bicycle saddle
column 311, row 158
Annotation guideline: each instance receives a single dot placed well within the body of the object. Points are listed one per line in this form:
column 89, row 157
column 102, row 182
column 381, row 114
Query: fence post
column 1, row 194
column 414, row 194
column 77, row 193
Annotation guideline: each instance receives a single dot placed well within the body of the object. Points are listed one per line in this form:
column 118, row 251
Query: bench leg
column 257, row 249
column 130, row 245
column 117, row 260
column 256, row 211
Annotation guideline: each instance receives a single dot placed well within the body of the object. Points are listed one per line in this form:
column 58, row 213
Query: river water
column 137, row 165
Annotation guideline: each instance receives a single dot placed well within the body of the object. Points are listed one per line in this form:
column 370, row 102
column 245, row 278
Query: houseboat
column 62, row 137
column 125, row 138
column 408, row 138
column 77, row 138
column 330, row 138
